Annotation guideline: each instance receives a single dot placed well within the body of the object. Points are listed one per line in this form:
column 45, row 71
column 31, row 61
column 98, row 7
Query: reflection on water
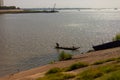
column 28, row 40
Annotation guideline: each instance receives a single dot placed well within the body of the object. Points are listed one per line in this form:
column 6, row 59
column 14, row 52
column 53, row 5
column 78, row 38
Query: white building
column 1, row 3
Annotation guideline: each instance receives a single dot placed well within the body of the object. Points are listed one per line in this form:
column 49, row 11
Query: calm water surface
column 28, row 40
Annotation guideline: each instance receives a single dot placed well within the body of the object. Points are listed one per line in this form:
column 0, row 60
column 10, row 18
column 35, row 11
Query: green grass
column 54, row 70
column 98, row 72
column 57, row 76
column 111, row 76
column 89, row 74
column 118, row 59
column 104, row 61
column 98, row 62
column 107, row 68
column 111, row 59
column 76, row 66
column 102, row 72
column 64, row 56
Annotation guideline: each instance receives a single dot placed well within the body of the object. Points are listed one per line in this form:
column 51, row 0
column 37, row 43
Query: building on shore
column 1, row 3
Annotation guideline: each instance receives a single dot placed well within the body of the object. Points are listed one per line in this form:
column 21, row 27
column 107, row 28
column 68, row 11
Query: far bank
column 23, row 11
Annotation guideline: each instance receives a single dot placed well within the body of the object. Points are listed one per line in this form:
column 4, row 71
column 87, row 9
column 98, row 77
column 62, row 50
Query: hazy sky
column 64, row 3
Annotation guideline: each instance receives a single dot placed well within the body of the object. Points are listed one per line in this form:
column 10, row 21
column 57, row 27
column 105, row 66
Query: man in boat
column 57, row 44
column 73, row 47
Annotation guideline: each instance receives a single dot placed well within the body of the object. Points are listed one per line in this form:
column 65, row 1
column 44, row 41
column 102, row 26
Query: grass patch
column 98, row 72
column 98, row 62
column 89, row 74
column 118, row 59
column 64, row 56
column 111, row 59
column 54, row 70
column 104, row 61
column 76, row 66
column 111, row 76
column 107, row 68
column 57, row 76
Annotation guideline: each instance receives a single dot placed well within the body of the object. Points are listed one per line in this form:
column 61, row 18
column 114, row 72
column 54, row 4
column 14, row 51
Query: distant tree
column 7, row 7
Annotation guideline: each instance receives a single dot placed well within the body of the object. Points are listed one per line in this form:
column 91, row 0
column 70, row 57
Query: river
column 28, row 40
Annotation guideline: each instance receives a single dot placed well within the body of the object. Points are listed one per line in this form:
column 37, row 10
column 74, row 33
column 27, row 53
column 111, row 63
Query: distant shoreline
column 12, row 11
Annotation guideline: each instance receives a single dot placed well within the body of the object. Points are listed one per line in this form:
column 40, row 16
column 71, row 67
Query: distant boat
column 108, row 45
column 115, row 8
column 53, row 9
column 66, row 48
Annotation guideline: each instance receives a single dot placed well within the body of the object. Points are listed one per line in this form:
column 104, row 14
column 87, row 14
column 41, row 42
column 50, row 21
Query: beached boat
column 108, row 45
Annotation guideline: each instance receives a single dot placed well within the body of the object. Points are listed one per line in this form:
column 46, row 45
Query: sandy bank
column 89, row 58
column 11, row 11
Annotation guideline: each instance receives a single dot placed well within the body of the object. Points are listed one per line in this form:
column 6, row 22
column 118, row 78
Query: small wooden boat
column 67, row 48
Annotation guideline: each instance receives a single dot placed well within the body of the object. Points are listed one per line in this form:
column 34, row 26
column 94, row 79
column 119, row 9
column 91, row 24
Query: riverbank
column 90, row 58
column 12, row 11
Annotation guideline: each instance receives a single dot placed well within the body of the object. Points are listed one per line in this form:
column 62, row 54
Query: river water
column 28, row 40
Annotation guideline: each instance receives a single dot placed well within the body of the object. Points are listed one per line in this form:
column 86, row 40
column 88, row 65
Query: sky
column 63, row 3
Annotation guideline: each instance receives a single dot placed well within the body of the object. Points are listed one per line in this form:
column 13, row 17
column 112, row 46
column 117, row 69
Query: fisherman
column 73, row 47
column 57, row 44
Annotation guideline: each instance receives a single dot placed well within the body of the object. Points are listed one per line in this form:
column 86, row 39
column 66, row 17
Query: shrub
column 117, row 37
column 64, row 56
column 76, row 66
column 53, row 70
column 52, row 62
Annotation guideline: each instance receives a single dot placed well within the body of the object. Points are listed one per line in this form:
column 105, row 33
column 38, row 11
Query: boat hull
column 107, row 45
column 66, row 48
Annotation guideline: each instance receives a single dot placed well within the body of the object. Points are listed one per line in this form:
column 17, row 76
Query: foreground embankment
column 89, row 58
